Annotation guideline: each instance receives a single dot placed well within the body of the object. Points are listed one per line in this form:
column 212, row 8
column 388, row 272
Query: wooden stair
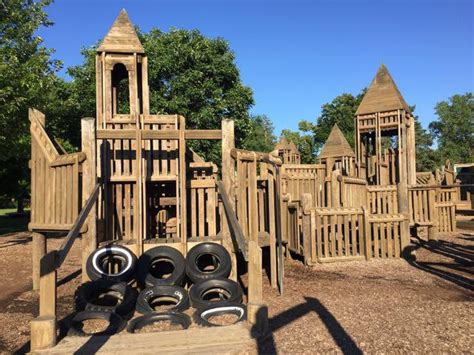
column 232, row 339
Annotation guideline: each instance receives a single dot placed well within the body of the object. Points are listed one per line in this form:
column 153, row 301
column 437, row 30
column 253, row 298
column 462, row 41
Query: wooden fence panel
column 384, row 236
column 339, row 234
column 382, row 199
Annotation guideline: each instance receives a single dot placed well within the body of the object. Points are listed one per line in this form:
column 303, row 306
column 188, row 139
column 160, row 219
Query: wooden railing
column 382, row 199
column 256, row 199
column 55, row 180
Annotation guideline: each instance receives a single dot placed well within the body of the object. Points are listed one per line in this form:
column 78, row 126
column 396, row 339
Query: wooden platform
column 233, row 339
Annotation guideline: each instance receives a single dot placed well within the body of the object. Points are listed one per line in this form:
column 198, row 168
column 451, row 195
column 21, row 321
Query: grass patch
column 11, row 222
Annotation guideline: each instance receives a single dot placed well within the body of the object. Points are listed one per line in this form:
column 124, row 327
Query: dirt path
column 18, row 304
column 383, row 306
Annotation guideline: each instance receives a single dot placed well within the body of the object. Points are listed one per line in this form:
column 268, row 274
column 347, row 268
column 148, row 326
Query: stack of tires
column 121, row 285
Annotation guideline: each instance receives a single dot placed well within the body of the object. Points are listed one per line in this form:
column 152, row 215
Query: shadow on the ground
column 344, row 341
column 462, row 263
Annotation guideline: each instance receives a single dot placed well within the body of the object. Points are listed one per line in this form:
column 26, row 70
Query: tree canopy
column 26, row 78
column 454, row 128
column 260, row 137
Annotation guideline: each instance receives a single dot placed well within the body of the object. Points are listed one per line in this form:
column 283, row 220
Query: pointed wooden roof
column 336, row 145
column 121, row 37
column 383, row 95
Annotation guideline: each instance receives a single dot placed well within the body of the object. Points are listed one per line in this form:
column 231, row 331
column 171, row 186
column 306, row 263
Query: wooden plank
column 203, row 134
column 255, row 293
column 201, row 212
column 339, row 235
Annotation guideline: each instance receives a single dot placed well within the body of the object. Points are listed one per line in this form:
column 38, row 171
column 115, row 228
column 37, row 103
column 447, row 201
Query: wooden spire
column 121, row 37
column 383, row 95
column 336, row 145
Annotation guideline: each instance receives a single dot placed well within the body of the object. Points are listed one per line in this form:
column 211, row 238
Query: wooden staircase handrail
column 76, row 228
column 237, row 233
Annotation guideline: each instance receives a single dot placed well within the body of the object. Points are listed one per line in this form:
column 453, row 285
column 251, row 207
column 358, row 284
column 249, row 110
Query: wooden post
column 306, row 203
column 89, row 180
column 272, row 208
column 367, row 235
column 433, row 229
column 255, row 272
column 228, row 176
column 39, row 250
column 43, row 328
column 257, row 316
column 335, row 189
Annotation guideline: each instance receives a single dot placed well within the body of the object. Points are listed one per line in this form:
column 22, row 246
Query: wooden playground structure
column 136, row 183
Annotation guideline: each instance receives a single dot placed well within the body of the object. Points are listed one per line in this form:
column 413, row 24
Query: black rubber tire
column 97, row 261
column 178, row 293
column 227, row 287
column 85, row 294
column 202, row 315
column 176, row 318
column 116, row 323
column 218, row 252
column 148, row 258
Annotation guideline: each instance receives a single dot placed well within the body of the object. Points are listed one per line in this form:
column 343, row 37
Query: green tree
column 26, row 76
column 312, row 137
column 304, row 141
column 342, row 111
column 454, row 128
column 189, row 74
column 260, row 137
column 426, row 157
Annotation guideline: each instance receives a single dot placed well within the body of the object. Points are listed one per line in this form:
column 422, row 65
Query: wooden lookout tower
column 385, row 134
column 152, row 184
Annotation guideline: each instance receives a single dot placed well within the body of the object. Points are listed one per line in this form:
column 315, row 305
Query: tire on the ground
column 148, row 295
column 97, row 263
column 116, row 323
column 175, row 317
column 202, row 316
column 229, row 291
column 147, row 260
column 87, row 295
column 217, row 252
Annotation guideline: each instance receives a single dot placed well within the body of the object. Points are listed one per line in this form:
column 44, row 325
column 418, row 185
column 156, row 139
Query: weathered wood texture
column 55, row 176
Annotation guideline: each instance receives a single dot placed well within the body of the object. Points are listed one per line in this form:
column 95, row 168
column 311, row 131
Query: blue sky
column 297, row 55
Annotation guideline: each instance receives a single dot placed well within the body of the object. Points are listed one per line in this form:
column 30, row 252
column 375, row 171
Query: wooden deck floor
column 233, row 339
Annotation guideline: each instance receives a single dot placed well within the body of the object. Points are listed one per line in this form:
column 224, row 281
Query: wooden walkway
column 233, row 339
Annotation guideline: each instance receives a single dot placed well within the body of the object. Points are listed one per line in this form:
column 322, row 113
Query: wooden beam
column 203, row 134
column 89, row 181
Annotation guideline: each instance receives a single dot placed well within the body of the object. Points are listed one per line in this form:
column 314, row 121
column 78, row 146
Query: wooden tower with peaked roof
column 287, row 151
column 146, row 171
column 337, row 153
column 385, row 134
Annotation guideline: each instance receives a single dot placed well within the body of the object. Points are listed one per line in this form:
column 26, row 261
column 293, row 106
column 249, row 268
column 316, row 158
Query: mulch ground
column 380, row 306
